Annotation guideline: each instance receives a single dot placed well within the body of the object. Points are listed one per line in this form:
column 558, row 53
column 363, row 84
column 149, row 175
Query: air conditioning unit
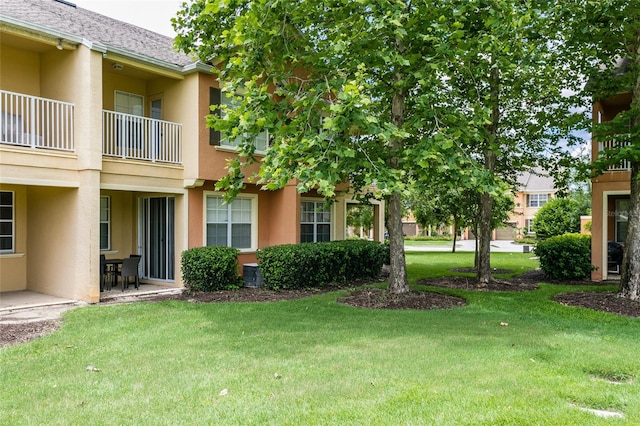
column 251, row 275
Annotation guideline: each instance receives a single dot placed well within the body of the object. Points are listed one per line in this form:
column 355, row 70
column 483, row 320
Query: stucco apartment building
column 104, row 150
column 610, row 195
column 535, row 189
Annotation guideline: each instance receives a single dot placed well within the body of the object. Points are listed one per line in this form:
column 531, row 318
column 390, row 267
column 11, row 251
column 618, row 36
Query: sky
column 152, row 15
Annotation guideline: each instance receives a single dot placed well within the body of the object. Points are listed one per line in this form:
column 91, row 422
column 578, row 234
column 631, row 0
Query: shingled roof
column 536, row 180
column 64, row 17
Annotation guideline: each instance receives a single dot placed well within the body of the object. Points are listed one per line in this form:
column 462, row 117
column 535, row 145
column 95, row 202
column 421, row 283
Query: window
column 261, row 141
column 622, row 219
column 529, row 225
column 129, row 130
column 537, row 200
column 7, row 222
column 315, row 222
column 105, row 223
column 129, row 103
column 232, row 224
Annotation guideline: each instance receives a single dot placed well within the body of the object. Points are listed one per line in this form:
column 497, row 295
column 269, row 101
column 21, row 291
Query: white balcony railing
column 140, row 138
column 35, row 122
column 623, row 165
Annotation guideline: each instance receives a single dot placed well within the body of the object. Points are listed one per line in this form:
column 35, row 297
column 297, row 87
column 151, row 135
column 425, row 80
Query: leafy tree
column 438, row 204
column 557, row 217
column 355, row 70
column 606, row 39
column 514, row 95
column 401, row 91
column 360, row 216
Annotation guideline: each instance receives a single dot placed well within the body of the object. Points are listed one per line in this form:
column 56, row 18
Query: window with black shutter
column 214, row 99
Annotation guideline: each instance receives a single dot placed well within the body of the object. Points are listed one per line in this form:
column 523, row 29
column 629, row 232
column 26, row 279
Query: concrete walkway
column 470, row 245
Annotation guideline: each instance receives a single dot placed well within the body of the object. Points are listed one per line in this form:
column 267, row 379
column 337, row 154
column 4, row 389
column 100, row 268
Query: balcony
column 30, row 121
column 623, row 165
column 133, row 137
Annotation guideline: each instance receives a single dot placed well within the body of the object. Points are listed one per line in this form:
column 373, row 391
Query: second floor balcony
column 134, row 137
column 623, row 165
column 35, row 122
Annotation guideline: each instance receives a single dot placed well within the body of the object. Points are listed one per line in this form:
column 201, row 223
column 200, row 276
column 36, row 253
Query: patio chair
column 615, row 252
column 106, row 274
column 129, row 269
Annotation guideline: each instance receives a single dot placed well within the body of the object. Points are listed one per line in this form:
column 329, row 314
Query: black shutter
column 214, row 99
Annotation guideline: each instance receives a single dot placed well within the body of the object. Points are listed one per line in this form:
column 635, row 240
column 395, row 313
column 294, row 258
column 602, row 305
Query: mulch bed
column 375, row 298
column 12, row 334
column 370, row 298
column 601, row 301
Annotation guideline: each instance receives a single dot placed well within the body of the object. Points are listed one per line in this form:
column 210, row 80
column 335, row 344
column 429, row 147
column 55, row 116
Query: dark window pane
column 6, row 243
column 324, row 233
column 104, row 236
column 6, row 229
column 6, row 198
column 241, row 236
column 306, row 233
column 6, row 213
column 216, row 234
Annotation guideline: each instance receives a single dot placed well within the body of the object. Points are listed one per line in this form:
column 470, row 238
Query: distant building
column 535, row 189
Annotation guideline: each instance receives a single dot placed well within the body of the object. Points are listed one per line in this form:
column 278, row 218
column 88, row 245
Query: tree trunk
column 484, row 252
column 455, row 234
column 630, row 268
column 630, row 278
column 398, row 282
column 476, row 253
column 486, row 202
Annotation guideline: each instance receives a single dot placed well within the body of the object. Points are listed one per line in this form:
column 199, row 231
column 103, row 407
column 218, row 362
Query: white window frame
column 254, row 219
column 108, row 222
column 315, row 223
column 12, row 221
column 534, row 200
column 529, row 226
column 226, row 142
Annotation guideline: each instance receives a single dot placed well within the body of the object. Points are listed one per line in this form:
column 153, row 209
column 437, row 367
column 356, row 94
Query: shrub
column 566, row 257
column 294, row 266
column 558, row 216
column 210, row 268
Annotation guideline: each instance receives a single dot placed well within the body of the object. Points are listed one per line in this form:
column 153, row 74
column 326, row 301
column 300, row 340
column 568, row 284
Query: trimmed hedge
column 565, row 257
column 211, row 268
column 306, row 265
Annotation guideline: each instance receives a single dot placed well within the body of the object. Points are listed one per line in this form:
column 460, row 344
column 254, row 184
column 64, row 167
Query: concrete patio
column 25, row 306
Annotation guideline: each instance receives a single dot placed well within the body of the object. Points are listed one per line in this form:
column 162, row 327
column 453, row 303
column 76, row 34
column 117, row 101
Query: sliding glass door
column 157, row 237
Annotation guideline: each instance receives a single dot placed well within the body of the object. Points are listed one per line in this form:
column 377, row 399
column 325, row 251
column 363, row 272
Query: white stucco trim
column 138, row 188
column 40, row 182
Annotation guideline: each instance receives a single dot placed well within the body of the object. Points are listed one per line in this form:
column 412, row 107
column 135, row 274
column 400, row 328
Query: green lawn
column 313, row 361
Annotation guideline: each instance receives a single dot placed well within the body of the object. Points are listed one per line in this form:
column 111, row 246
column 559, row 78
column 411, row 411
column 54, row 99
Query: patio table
column 113, row 265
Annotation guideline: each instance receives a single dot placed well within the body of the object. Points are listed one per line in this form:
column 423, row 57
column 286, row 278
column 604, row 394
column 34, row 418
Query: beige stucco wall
column 20, row 70
column 13, row 266
column 188, row 112
column 123, row 230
